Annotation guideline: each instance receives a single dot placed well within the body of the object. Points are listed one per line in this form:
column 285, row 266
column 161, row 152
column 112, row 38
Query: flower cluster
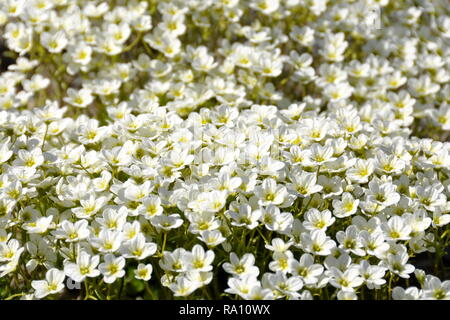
column 260, row 149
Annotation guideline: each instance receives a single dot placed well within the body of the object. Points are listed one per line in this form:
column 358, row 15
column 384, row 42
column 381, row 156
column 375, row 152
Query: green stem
column 390, row 286
column 108, row 293
column 305, row 207
column 86, row 288
column 74, row 252
column 438, row 253
column 164, row 243
column 45, row 137
column 135, row 41
column 15, row 295
column 252, row 235
column 122, row 282
column 147, row 48
column 205, row 291
column 149, row 291
column 82, row 167
column 260, row 233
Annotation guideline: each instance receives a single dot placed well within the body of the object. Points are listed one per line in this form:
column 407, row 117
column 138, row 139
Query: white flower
column 242, row 286
column 183, row 287
column 85, row 266
column 31, row 159
column 346, row 295
column 241, row 267
column 281, row 262
column 318, row 220
column 199, row 260
column 361, row 170
column 73, row 232
column 278, row 245
column 137, row 248
column 211, row 238
column 112, row 268
column 10, row 251
column 5, row 153
column 182, row 132
column 321, row 154
column 372, row 274
column 304, row 183
column 265, row 6
column 55, row 42
column 107, row 241
column 306, row 269
column 143, row 271
column 282, row 285
column 382, row 193
column 269, row 193
column 245, row 217
column 167, row 223
column 422, row 86
column 80, row 98
column 90, row 205
column 411, row 293
column 396, row 229
column 53, row 283
column 350, row 240
column 40, row 225
column 397, row 263
column 346, row 281
column 317, row 242
column 36, row 83
column 174, row 261
column 434, row 289
column 345, row 207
